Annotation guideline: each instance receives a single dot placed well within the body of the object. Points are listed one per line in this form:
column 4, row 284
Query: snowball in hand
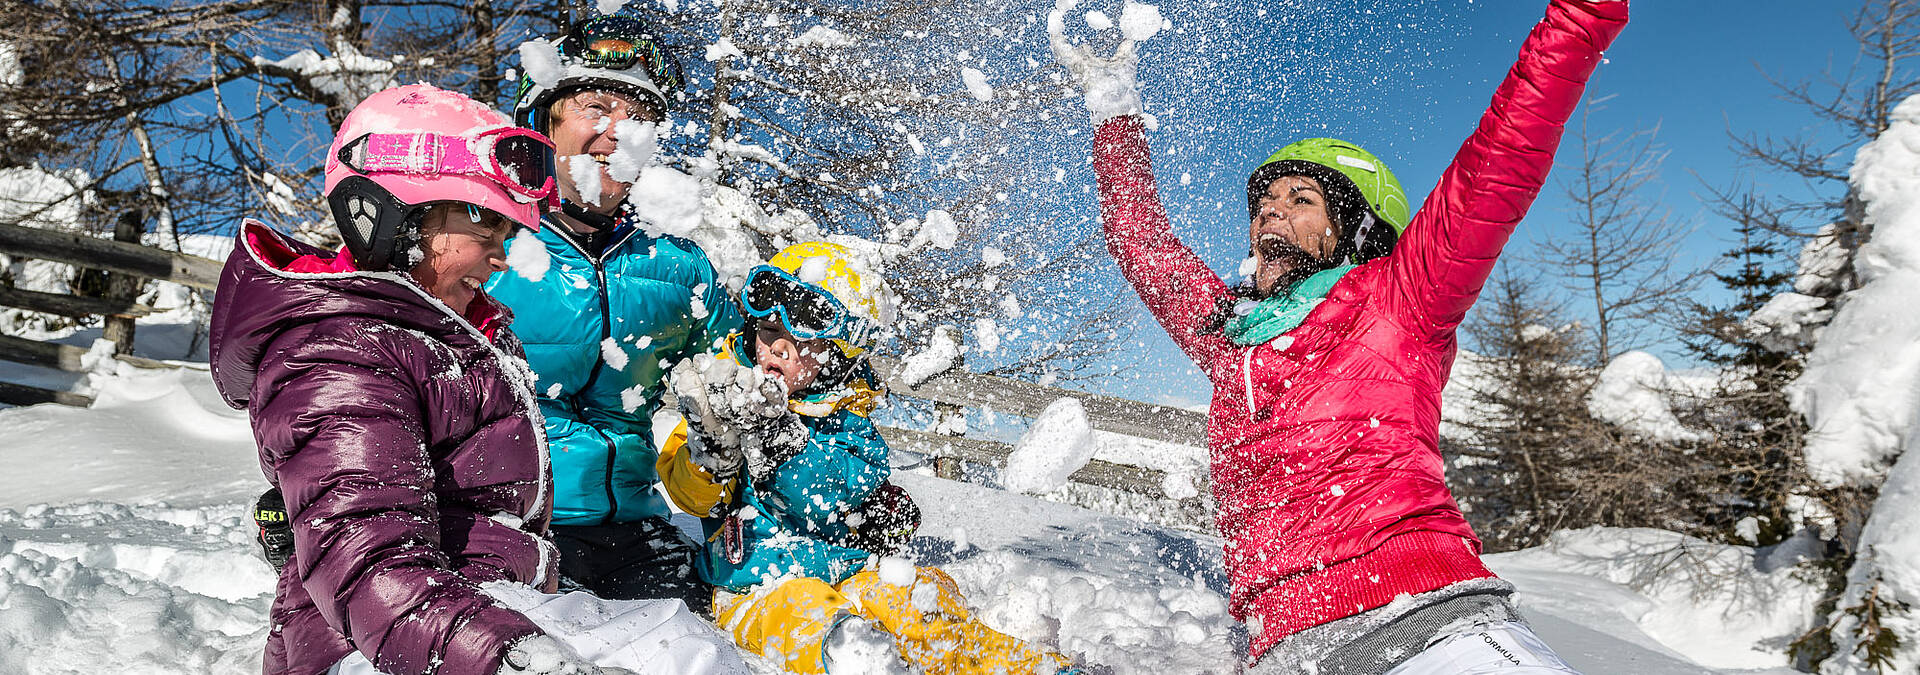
column 1110, row 82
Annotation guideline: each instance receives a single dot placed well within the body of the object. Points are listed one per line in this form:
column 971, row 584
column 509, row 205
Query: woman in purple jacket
column 394, row 412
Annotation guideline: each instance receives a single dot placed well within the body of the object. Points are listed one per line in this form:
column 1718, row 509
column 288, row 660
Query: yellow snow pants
column 788, row 624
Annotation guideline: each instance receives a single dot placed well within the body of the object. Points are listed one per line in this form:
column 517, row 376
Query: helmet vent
column 365, row 215
column 1356, row 163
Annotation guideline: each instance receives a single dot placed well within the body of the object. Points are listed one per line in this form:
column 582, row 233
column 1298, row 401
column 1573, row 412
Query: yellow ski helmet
column 821, row 290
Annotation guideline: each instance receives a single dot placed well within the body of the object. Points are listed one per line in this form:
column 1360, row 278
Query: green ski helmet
column 1361, row 190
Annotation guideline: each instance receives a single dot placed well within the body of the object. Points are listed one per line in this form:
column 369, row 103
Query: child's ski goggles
column 807, row 311
column 520, row 160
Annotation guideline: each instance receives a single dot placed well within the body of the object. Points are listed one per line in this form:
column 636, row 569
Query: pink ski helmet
column 403, row 149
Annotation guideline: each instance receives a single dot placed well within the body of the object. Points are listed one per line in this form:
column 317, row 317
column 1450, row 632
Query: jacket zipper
column 606, row 332
column 1246, row 374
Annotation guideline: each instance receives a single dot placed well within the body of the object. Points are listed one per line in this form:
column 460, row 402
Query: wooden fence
column 128, row 265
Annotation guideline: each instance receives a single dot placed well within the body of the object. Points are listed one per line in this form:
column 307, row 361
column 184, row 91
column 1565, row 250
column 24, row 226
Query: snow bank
column 1861, row 391
column 1719, row 605
column 124, row 547
column 1632, row 392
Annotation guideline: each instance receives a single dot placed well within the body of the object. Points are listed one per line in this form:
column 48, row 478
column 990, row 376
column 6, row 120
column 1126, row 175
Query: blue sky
column 1409, row 80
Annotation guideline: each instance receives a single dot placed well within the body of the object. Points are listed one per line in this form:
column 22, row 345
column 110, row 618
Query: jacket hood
column 261, row 294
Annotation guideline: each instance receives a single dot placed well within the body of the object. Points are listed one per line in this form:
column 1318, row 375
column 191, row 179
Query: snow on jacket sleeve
column 1449, row 248
column 359, row 482
column 1178, row 288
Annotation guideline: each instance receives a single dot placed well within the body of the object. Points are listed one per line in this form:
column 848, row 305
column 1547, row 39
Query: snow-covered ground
column 124, row 547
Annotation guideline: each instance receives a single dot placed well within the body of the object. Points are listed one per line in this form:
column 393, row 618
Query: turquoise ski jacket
column 600, row 333
column 798, row 516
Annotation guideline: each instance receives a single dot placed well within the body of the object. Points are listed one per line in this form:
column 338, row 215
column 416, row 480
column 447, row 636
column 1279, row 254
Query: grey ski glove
column 737, row 417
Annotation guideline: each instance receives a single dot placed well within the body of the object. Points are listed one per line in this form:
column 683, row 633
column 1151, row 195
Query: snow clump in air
column 610, row 7
column 586, row 177
column 669, row 200
column 541, row 62
column 1058, row 444
column 938, row 231
column 1112, row 89
column 528, row 256
column 943, row 350
column 1140, row 22
column 976, row 82
column 636, row 144
column 611, row 353
column 821, row 36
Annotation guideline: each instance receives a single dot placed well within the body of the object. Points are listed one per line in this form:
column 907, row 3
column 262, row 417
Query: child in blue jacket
column 791, row 476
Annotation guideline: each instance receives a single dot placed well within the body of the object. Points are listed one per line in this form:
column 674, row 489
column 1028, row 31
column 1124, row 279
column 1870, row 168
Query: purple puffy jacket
column 410, row 452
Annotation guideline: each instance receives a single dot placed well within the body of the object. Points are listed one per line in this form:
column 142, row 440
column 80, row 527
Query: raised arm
column 1450, row 247
column 1179, row 289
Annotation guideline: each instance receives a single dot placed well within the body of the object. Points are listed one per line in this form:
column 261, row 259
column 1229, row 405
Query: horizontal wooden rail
column 23, row 395
column 1099, row 473
column 1106, row 413
column 58, row 356
column 70, row 305
column 109, row 255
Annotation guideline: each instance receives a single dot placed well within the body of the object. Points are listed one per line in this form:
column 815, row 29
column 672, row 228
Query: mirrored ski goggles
column 806, row 310
column 621, row 43
column 520, row 160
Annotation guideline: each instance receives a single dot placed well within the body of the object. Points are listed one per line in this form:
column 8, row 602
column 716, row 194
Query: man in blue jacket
column 613, row 308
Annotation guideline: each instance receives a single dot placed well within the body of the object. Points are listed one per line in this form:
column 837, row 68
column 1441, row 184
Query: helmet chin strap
column 1360, row 233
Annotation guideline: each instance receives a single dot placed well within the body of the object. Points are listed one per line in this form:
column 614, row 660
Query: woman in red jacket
column 1345, row 550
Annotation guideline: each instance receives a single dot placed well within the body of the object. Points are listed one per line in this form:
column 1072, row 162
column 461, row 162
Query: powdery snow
column 1718, row 605
column 1632, row 392
column 1058, row 444
column 1861, row 389
column 140, row 558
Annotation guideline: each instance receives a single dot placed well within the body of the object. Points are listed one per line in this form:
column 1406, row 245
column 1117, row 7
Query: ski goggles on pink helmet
column 519, row 160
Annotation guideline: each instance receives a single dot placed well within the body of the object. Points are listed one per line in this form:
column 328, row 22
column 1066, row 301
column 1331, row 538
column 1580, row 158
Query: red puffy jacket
column 1326, row 467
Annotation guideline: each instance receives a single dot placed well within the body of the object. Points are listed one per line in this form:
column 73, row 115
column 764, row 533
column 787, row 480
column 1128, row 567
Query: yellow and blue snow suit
column 795, row 582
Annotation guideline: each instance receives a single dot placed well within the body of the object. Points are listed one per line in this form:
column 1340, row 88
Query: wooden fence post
column 950, row 420
column 123, row 287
